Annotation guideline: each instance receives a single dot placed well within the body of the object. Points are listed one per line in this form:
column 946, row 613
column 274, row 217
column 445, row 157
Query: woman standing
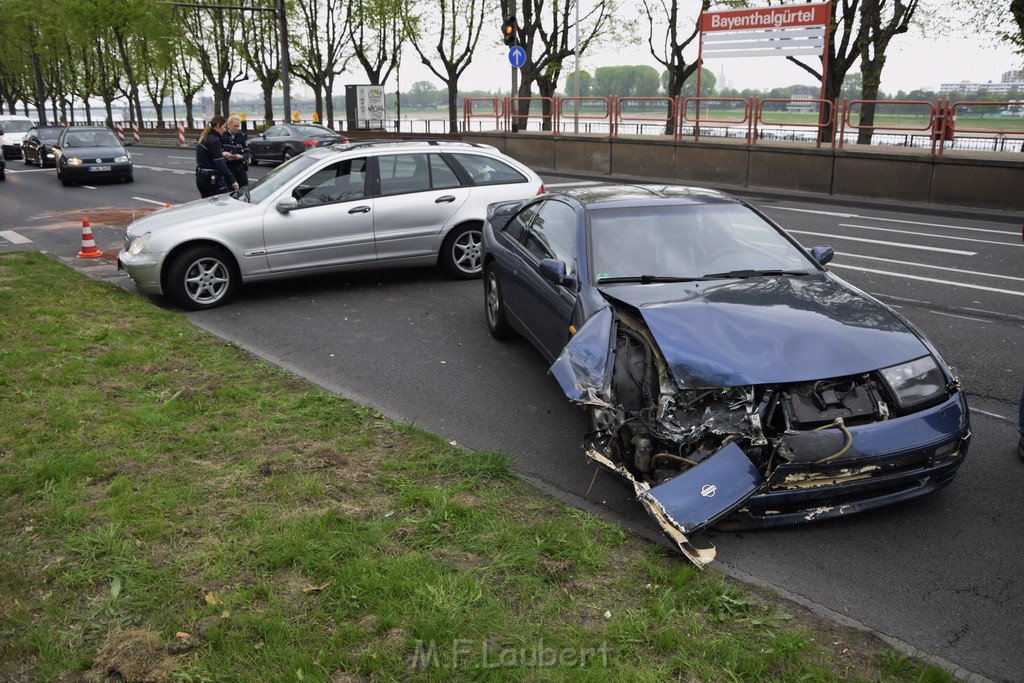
column 236, row 150
column 212, row 174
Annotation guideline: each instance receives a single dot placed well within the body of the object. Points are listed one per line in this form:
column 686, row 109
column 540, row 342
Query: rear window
column 484, row 170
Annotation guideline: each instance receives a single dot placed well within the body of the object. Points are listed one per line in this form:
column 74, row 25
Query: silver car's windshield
column 278, row 178
column 15, row 126
column 692, row 241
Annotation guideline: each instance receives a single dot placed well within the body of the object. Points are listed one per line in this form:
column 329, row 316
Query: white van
column 13, row 129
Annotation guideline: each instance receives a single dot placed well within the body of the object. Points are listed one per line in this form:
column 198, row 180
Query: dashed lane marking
column 14, row 238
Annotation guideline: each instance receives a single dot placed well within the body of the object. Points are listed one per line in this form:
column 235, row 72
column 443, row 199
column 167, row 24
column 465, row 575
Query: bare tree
column 212, row 41
column 456, row 24
column 544, row 33
column 261, row 49
column 376, row 31
column 881, row 22
column 677, row 38
column 321, row 56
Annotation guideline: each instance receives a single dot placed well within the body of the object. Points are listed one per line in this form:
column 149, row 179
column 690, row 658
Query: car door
column 331, row 225
column 543, row 309
column 30, row 145
column 416, row 195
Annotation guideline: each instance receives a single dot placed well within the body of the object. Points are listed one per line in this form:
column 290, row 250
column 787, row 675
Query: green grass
column 178, row 510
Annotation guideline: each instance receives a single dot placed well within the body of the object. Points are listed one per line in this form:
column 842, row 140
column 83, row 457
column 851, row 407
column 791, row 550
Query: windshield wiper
column 740, row 274
column 646, row 279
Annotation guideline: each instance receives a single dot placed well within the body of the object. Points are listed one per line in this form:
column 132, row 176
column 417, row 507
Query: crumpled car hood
column 768, row 330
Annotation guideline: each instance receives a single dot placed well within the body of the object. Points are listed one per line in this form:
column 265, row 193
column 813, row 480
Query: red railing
column 826, row 116
column 469, row 110
column 619, row 102
column 576, row 116
column 929, row 112
column 516, row 121
column 697, row 119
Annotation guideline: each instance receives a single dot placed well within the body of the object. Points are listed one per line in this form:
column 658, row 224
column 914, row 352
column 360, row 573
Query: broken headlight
column 914, row 383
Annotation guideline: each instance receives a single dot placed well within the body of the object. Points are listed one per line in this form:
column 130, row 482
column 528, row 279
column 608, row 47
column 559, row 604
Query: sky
column 914, row 61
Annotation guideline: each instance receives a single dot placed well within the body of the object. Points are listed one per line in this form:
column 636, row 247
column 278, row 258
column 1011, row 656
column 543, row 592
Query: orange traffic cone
column 89, row 249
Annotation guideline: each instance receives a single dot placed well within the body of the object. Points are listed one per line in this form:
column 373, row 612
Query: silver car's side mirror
column 286, row 205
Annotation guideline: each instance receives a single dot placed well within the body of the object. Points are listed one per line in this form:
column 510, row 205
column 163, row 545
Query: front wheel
column 494, row 306
column 461, row 252
column 288, row 154
column 253, row 161
column 64, row 180
column 202, row 277
column 25, row 159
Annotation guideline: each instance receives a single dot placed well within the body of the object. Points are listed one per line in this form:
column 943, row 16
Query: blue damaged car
column 728, row 376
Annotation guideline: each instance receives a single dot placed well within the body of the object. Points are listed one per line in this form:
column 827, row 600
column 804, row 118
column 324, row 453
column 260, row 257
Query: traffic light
column 508, row 30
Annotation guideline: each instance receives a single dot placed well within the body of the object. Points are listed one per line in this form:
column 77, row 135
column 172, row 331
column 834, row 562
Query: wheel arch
column 174, row 252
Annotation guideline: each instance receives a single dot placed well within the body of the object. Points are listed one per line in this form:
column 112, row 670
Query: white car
column 12, row 130
column 353, row 206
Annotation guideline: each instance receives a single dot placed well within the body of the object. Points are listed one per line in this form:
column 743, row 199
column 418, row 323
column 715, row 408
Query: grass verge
column 177, row 510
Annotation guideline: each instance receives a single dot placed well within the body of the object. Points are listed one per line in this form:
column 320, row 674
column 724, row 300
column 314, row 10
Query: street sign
column 517, row 56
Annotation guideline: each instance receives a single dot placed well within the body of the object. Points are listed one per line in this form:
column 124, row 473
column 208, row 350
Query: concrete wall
column 977, row 179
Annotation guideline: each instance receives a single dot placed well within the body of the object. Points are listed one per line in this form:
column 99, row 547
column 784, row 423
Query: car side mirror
column 286, row 205
column 823, row 254
column 555, row 272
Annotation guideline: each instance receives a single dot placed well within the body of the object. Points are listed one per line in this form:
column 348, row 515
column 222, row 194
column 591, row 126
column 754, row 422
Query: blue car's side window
column 553, row 233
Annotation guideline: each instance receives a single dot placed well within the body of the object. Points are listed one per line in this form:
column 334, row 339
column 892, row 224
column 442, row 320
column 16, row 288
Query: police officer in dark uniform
column 237, row 149
column 212, row 174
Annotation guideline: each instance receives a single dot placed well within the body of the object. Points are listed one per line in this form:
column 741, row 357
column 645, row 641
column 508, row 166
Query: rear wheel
column 253, row 161
column 494, row 306
column 202, row 277
column 461, row 252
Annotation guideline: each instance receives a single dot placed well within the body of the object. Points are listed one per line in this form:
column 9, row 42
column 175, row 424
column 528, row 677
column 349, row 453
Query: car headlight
column 916, row 382
column 74, row 161
column 137, row 245
column 121, row 159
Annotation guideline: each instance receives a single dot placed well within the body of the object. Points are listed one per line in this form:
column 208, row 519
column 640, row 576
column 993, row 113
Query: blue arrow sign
column 517, row 56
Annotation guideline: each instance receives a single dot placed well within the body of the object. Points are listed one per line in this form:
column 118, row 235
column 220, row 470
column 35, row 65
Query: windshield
column 49, row 134
column 313, row 131
column 15, row 126
column 278, row 178
column 687, row 242
column 90, row 138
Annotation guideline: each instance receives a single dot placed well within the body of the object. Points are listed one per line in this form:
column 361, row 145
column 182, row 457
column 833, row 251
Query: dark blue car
column 727, row 374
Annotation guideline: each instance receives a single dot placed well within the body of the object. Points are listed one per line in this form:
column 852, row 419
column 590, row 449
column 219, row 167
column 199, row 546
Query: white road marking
column 150, row 201
column 88, row 187
column 191, row 158
column 169, row 170
column 932, row 235
column 995, row 415
column 28, row 170
column 888, row 244
column 893, row 220
column 929, row 279
column 14, row 238
column 931, row 267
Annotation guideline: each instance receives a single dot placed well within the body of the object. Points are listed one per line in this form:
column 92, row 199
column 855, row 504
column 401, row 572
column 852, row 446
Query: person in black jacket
column 236, row 150
column 212, row 173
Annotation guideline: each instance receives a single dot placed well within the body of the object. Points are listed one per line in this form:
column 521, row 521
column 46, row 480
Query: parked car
column 358, row 206
column 90, row 153
column 281, row 143
column 3, row 168
column 12, row 129
column 37, row 145
column 728, row 376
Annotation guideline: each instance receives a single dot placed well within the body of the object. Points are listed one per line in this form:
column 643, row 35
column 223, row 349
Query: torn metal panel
column 582, row 369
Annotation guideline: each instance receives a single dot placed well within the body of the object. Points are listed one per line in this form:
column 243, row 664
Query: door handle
column 448, row 198
column 360, row 209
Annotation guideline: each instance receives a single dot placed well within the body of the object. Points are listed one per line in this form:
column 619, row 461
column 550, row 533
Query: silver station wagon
column 354, row 206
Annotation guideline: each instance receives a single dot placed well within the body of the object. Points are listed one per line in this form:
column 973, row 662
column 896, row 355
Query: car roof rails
column 370, row 142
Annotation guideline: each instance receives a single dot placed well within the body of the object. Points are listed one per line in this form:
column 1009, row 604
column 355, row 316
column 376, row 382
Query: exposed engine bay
column 656, row 430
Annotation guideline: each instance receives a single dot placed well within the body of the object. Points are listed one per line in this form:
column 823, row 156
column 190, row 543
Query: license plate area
column 95, row 169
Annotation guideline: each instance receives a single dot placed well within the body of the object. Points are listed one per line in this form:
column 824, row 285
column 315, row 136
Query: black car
column 726, row 373
column 90, row 153
column 2, row 168
column 281, row 143
column 37, row 145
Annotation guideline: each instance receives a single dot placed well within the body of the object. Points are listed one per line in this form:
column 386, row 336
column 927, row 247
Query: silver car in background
column 347, row 207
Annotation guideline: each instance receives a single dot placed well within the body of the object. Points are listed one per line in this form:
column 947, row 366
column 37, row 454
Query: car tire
column 63, row 178
column 461, row 252
column 253, row 161
column 130, row 178
column 3, row 173
column 288, row 154
column 24, row 158
column 201, row 278
column 494, row 306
